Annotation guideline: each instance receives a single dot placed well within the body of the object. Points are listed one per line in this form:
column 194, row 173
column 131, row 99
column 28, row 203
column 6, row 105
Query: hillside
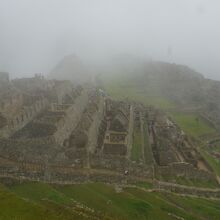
column 139, row 145
column 70, row 68
column 99, row 201
column 165, row 85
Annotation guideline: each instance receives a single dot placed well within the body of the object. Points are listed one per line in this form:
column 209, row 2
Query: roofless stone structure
column 56, row 131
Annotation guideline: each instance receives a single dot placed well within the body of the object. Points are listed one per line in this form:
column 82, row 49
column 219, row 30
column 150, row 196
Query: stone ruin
column 117, row 133
column 174, row 153
column 56, row 131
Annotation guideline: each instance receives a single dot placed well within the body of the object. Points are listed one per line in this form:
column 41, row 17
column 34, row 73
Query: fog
column 35, row 35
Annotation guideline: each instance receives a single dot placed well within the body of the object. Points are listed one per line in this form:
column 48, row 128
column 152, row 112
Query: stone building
column 40, row 112
column 56, row 124
column 117, row 133
column 174, row 153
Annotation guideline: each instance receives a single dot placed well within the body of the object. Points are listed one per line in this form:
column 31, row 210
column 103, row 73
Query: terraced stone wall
column 183, row 170
column 72, row 118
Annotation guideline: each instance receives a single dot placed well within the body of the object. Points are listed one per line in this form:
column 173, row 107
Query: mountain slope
column 70, row 68
column 165, row 85
column 101, row 201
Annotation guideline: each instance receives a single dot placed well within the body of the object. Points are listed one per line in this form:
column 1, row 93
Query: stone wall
column 66, row 174
column 36, row 150
column 73, row 115
column 23, row 118
column 93, row 131
column 120, row 164
column 186, row 190
column 185, row 170
column 115, row 149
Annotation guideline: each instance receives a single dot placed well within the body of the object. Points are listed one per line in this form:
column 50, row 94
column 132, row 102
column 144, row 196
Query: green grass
column 126, row 89
column 14, row 207
column 148, row 154
column 214, row 163
column 209, row 209
column 39, row 191
column 216, row 146
column 181, row 206
column 136, row 151
column 190, row 182
column 105, row 199
column 146, row 185
column 195, row 126
column 131, row 203
column 192, row 124
column 201, row 183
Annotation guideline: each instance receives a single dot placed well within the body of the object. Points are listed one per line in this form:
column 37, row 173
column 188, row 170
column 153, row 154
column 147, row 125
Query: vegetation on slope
column 13, row 206
column 127, row 89
column 121, row 87
column 215, row 147
column 38, row 191
column 130, row 203
column 192, row 124
column 213, row 162
column 208, row 209
column 136, row 151
column 148, row 154
column 43, row 201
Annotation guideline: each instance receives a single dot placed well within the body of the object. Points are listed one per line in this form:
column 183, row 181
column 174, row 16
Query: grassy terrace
column 214, row 163
column 136, row 151
column 120, row 89
column 26, row 201
column 195, row 126
column 192, row 124
column 14, row 206
column 148, row 154
column 195, row 183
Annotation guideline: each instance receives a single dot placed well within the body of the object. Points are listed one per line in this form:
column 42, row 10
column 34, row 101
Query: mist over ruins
column 71, row 129
column 75, row 126
column 109, row 110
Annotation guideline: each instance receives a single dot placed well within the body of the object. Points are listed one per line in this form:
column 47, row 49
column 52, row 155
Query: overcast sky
column 35, row 34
